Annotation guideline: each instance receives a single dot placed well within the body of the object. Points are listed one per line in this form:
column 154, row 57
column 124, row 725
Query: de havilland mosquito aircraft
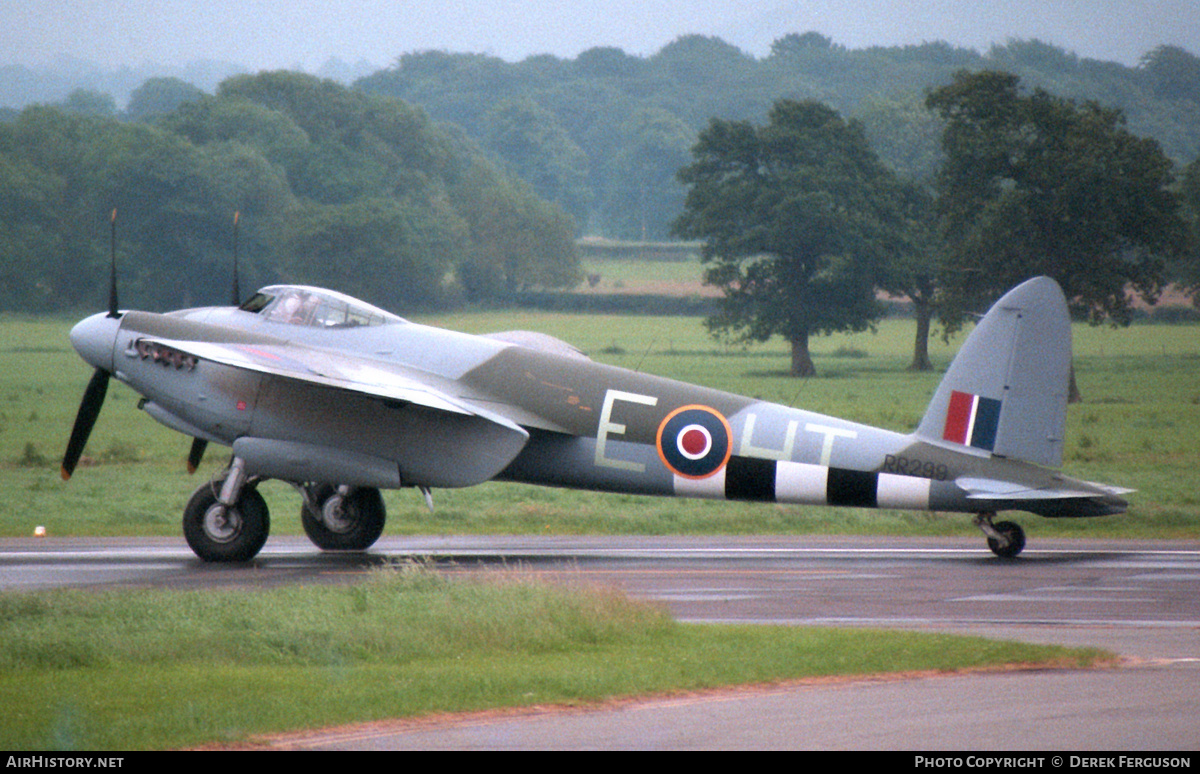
column 342, row 399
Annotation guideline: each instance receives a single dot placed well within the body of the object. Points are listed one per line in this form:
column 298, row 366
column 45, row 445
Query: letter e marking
column 607, row 426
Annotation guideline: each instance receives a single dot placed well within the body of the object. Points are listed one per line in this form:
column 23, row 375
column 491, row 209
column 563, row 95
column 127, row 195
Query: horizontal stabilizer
column 991, row 489
column 1067, row 498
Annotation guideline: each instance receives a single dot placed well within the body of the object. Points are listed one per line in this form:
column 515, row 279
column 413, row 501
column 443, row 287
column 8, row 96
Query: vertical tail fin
column 1006, row 391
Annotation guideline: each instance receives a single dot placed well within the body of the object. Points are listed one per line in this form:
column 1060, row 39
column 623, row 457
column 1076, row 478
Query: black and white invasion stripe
column 763, row 480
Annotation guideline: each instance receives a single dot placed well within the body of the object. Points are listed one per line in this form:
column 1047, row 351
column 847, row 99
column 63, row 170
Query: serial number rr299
column 905, row 466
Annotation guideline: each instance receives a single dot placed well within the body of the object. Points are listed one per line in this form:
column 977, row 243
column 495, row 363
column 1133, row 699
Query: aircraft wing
column 326, row 368
column 452, row 444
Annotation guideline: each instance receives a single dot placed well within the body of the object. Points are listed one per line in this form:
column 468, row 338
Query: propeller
column 112, row 268
column 97, row 388
column 89, row 409
column 196, row 454
column 94, row 343
column 237, row 295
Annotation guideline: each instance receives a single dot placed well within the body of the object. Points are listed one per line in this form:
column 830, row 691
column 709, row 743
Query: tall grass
column 165, row 669
column 398, row 615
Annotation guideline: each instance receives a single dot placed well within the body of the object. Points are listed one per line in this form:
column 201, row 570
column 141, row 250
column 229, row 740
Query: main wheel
column 353, row 525
column 1016, row 540
column 233, row 534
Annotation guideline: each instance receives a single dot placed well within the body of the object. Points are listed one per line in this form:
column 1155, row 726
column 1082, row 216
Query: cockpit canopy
column 315, row 307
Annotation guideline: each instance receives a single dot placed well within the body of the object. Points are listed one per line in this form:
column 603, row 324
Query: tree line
column 815, row 176
column 603, row 134
column 330, row 185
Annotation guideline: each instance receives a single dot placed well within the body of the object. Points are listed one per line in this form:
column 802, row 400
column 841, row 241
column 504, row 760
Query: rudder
column 1006, row 391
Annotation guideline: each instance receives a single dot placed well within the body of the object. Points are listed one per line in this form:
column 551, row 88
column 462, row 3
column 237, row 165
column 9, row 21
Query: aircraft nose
column 94, row 338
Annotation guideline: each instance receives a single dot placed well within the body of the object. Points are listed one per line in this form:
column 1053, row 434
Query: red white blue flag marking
column 972, row 420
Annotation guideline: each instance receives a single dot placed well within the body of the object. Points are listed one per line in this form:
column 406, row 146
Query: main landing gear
column 342, row 518
column 227, row 520
column 1005, row 538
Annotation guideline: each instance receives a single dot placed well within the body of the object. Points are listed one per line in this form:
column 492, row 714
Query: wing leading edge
column 326, row 368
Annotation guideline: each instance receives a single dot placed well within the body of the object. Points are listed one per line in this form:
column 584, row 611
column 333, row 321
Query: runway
column 1136, row 598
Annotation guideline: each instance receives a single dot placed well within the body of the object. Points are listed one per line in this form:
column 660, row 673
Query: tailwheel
column 1006, row 539
column 227, row 520
column 342, row 518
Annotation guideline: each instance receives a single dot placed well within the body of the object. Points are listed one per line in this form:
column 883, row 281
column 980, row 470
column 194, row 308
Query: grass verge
column 152, row 669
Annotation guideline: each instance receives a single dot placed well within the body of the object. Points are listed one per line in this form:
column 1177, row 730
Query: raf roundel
column 693, row 441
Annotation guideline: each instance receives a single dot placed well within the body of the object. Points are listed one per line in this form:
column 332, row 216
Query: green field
column 230, row 665
column 1139, row 426
column 636, row 276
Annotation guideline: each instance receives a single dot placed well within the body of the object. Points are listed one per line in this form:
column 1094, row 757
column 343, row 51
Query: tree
column 517, row 240
column 796, row 45
column 175, row 205
column 1173, row 73
column 27, row 208
column 1034, row 184
column 159, row 96
column 85, row 102
column 708, row 77
column 389, row 252
column 535, row 147
column 1186, row 270
column 63, row 175
column 798, row 218
column 641, row 194
column 906, row 135
column 912, row 270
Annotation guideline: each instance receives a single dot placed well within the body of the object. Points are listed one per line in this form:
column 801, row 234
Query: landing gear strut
column 1005, row 538
column 226, row 520
column 342, row 518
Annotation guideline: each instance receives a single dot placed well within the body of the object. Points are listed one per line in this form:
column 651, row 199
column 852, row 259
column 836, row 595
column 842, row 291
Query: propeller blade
column 196, row 454
column 112, row 273
column 89, row 409
column 237, row 293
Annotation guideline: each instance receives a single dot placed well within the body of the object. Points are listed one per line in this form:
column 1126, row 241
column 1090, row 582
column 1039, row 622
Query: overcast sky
column 306, row 33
